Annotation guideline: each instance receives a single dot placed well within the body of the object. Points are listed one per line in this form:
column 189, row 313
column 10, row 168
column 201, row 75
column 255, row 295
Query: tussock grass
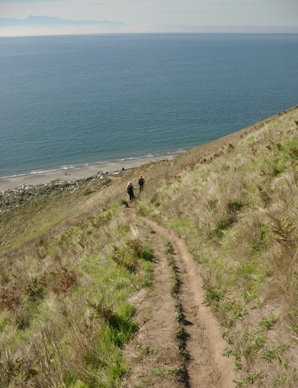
column 70, row 260
column 64, row 300
column 237, row 211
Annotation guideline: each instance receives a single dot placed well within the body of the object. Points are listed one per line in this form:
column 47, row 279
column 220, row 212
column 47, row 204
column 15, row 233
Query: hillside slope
column 237, row 211
column 71, row 260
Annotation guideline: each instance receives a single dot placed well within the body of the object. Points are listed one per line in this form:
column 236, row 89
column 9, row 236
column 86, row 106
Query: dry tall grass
column 237, row 210
column 70, row 260
column 64, row 311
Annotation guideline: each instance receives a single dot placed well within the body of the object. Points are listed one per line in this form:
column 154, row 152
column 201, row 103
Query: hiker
column 129, row 189
column 141, row 183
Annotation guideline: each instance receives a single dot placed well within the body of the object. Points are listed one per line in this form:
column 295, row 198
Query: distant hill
column 51, row 21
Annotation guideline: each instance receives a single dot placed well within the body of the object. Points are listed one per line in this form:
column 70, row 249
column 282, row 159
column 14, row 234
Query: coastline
column 76, row 173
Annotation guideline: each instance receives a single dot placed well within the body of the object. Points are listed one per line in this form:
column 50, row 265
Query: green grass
column 238, row 215
column 38, row 214
column 68, row 317
column 70, row 260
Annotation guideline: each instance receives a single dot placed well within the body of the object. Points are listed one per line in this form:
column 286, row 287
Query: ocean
column 73, row 100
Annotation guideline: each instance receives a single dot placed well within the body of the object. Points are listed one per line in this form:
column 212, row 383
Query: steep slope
column 237, row 211
column 72, row 258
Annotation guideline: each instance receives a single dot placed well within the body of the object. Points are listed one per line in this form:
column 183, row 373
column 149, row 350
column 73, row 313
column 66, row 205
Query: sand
column 75, row 173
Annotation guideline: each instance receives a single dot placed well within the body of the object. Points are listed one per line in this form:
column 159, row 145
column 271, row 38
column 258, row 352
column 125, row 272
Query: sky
column 141, row 16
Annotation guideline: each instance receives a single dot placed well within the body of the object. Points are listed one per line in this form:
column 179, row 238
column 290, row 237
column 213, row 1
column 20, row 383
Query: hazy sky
column 157, row 15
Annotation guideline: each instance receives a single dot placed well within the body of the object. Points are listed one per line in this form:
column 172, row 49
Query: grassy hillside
column 64, row 311
column 70, row 260
column 237, row 211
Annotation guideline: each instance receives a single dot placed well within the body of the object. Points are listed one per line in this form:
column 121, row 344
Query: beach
column 111, row 98
column 76, row 173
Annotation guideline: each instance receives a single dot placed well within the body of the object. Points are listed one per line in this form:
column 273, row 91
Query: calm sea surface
column 72, row 100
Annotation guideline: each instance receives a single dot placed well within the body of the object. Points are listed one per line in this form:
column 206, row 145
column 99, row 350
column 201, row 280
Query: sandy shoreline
column 75, row 173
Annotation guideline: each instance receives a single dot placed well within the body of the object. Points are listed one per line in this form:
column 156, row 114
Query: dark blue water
column 81, row 99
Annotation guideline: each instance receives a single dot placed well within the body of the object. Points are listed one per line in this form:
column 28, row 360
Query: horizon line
column 154, row 33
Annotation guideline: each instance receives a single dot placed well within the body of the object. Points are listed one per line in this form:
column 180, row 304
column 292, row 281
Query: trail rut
column 206, row 367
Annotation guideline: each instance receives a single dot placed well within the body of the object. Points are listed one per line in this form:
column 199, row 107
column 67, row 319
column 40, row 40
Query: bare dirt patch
column 207, row 367
column 154, row 355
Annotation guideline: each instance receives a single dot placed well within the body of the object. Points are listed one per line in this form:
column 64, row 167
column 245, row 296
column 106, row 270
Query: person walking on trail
column 141, row 183
column 130, row 192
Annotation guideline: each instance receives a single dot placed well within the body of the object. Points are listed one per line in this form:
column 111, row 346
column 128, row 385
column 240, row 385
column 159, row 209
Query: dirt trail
column 153, row 354
column 206, row 366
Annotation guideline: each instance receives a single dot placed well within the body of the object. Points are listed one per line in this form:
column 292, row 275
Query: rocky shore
column 75, row 174
column 13, row 198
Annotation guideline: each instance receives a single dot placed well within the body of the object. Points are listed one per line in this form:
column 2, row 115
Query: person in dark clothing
column 141, row 183
column 130, row 192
